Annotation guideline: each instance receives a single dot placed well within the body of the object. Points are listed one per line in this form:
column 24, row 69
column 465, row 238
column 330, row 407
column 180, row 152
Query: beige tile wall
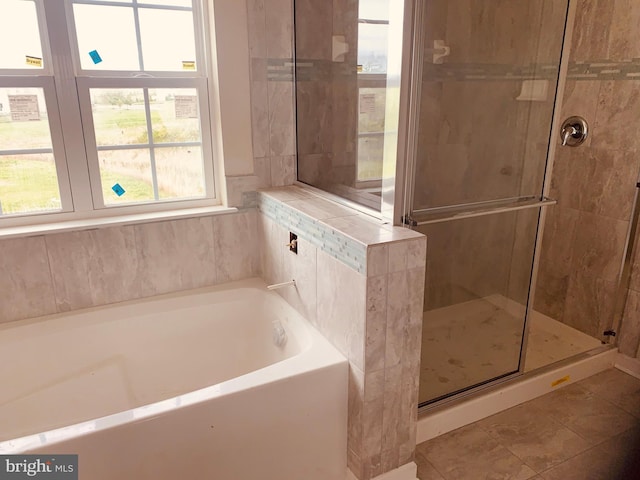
column 375, row 320
column 68, row 271
column 270, row 26
column 327, row 97
column 585, row 233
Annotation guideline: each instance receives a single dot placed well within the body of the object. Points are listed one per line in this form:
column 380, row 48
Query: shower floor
column 468, row 343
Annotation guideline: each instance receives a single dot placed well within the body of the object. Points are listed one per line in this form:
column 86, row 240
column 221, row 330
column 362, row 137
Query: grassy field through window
column 28, row 183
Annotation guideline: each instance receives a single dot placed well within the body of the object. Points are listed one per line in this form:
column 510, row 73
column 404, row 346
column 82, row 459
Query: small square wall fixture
column 293, row 243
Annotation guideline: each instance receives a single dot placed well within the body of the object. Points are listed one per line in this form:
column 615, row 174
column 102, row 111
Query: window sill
column 113, row 221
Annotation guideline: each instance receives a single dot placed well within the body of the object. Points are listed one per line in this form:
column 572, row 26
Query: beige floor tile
column 470, row 453
column 586, row 414
column 617, row 387
column 426, row 471
column 614, row 459
column 540, row 441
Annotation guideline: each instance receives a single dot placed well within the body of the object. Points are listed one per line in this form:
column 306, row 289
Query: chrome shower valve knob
column 574, row 131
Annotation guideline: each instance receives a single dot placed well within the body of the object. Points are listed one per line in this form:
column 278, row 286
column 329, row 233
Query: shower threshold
column 486, row 400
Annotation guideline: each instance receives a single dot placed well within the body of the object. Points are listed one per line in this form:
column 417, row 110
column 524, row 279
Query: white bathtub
column 188, row 385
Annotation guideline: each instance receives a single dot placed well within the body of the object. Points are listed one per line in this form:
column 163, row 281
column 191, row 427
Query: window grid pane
column 159, row 38
column 21, row 46
column 150, row 146
column 28, row 184
column 28, row 176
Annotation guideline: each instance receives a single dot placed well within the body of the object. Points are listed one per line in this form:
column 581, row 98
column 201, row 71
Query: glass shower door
column 487, row 91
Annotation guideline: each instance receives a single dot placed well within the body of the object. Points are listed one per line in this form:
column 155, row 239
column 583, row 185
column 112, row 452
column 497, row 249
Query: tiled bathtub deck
column 586, row 431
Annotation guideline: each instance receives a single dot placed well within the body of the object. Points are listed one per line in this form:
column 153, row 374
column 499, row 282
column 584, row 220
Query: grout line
column 51, row 279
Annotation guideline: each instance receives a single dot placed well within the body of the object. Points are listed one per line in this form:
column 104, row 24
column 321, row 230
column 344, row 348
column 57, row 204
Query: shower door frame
column 413, row 60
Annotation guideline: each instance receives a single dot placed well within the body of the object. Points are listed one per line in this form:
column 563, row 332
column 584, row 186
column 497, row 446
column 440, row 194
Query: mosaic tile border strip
column 590, row 70
column 485, row 71
column 324, row 70
column 334, row 243
column 280, row 69
column 605, row 70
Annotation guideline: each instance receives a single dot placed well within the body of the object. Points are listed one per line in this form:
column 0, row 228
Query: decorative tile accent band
column 487, row 71
column 605, row 70
column 280, row 70
column 591, row 70
column 324, row 70
column 334, row 243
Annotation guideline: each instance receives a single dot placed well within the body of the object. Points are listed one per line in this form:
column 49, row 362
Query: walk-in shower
column 475, row 135
column 488, row 75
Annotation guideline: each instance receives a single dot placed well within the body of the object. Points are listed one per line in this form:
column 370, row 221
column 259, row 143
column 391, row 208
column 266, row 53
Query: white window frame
column 67, row 88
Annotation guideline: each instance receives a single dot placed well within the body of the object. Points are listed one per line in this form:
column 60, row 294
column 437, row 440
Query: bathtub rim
column 320, row 354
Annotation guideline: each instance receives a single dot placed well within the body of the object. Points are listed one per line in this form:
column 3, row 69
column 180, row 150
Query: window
column 104, row 105
column 373, row 30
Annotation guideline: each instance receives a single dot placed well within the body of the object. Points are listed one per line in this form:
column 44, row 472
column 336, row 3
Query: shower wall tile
column 551, row 292
column 279, row 29
column 341, row 307
column 599, row 246
column 631, row 319
column 524, row 238
column 281, row 118
column 594, row 180
column 581, row 98
column 260, row 118
column 590, row 304
column 355, row 409
column 311, row 39
column 271, row 238
column 26, row 288
column 398, row 311
column 598, row 179
column 301, row 267
column 256, row 19
column 315, row 114
column 283, row 171
column 176, row 255
column 610, row 182
column 623, row 41
column 377, row 260
column 262, row 170
column 376, row 326
column 238, row 187
column 630, row 330
column 94, row 267
column 558, row 243
column 634, row 281
column 591, row 31
column 376, row 323
column 616, row 121
column 391, row 416
column 234, row 241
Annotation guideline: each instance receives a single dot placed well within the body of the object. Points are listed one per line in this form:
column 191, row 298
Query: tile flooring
column 589, row 430
column 493, row 326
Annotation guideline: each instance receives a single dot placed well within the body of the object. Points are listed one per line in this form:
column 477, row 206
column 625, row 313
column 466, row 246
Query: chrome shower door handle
column 574, row 131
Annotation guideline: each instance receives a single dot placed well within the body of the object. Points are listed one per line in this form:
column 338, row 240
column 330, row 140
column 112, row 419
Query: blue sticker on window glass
column 95, row 56
column 118, row 189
